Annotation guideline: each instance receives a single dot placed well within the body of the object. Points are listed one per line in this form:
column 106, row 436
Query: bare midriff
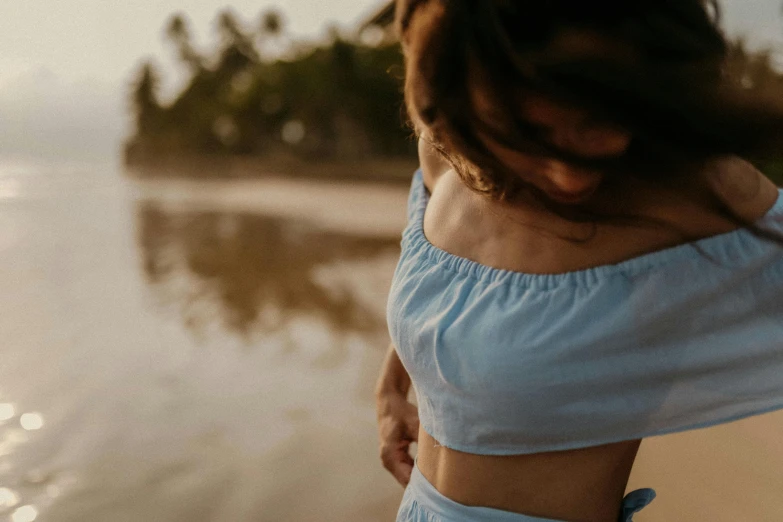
column 584, row 485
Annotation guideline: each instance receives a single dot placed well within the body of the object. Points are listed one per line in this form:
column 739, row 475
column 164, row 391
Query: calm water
column 207, row 352
column 186, row 352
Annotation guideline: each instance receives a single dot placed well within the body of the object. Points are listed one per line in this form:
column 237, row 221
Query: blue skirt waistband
column 423, row 503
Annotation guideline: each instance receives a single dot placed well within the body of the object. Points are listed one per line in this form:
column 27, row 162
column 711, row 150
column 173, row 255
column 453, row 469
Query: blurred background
column 200, row 210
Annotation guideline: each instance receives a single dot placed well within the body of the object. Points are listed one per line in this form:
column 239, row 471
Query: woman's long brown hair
column 657, row 70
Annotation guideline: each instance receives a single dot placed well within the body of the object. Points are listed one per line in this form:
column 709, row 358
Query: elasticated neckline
column 729, row 247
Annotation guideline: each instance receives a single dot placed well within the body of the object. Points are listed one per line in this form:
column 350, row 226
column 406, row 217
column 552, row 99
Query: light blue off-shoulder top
column 506, row 362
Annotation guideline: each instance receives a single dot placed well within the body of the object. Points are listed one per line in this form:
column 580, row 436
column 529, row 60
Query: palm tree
column 178, row 32
column 146, row 107
column 271, row 23
column 271, row 26
column 233, row 38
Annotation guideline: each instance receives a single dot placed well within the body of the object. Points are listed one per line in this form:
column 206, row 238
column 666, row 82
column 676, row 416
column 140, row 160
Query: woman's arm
column 394, row 378
column 398, row 419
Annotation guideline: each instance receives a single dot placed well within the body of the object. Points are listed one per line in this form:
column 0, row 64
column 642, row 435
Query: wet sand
column 191, row 357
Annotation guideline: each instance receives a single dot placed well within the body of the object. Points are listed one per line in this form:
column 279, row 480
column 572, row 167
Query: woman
column 588, row 261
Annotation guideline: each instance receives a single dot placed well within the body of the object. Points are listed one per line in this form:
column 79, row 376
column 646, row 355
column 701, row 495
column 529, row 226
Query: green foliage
column 773, row 169
column 340, row 100
column 754, row 72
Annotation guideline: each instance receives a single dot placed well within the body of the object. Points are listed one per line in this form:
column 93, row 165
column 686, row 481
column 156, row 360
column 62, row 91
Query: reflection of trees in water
column 258, row 271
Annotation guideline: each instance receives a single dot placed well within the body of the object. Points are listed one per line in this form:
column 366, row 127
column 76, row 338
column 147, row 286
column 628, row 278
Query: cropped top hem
column 519, row 449
column 730, row 247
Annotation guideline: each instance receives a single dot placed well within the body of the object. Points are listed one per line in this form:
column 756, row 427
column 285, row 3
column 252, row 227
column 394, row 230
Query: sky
column 66, row 65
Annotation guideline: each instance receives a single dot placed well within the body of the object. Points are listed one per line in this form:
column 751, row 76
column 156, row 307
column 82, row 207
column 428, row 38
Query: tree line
column 340, row 100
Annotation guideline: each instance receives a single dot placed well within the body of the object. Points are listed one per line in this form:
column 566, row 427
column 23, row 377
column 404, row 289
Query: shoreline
column 394, row 171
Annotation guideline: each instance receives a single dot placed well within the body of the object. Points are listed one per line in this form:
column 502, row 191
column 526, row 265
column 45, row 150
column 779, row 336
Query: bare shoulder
column 742, row 187
column 433, row 165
